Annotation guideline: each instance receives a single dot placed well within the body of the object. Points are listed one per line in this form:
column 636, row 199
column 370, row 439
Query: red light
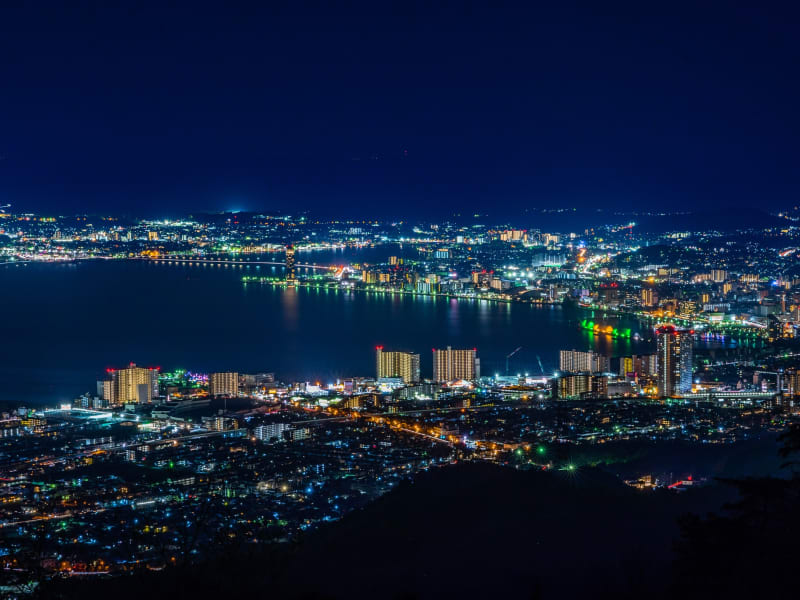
column 378, row 347
column 689, row 478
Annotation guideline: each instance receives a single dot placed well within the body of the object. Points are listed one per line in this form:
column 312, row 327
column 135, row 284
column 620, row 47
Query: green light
column 541, row 449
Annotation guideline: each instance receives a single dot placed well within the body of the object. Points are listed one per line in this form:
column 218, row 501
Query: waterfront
column 96, row 314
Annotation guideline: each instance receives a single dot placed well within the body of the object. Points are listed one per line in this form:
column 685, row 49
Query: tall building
column 574, row 361
column 649, row 297
column 290, row 268
column 451, row 365
column 404, row 365
column 223, row 384
column 133, row 385
column 793, row 382
column 718, row 275
column 674, row 357
column 638, row 365
column 580, row 385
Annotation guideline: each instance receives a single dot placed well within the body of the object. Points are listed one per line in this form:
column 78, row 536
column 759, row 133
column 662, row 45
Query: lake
column 63, row 324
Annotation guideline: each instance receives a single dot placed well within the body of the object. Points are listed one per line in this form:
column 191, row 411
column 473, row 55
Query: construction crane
column 510, row 355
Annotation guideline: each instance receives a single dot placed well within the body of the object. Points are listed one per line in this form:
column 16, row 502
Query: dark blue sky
column 398, row 110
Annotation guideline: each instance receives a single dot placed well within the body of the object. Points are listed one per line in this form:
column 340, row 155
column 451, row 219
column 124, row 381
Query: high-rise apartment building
column 290, row 268
column 574, row 361
column 581, row 385
column 674, row 356
column 404, row 365
column 792, row 383
column 452, row 365
column 638, row 365
column 223, row 384
column 649, row 297
column 133, row 385
column 718, row 275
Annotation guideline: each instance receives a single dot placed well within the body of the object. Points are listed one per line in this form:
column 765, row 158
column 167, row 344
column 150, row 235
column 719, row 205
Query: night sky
column 398, row 109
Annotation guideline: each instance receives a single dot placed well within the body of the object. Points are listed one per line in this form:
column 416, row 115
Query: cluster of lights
column 607, row 330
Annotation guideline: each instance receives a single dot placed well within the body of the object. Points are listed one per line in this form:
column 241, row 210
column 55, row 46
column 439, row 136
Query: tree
column 751, row 549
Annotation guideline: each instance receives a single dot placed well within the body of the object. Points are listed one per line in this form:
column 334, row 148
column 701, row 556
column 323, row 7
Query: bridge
column 729, row 395
column 232, row 261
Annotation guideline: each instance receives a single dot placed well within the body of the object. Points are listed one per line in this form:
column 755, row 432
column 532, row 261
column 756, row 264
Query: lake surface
column 62, row 325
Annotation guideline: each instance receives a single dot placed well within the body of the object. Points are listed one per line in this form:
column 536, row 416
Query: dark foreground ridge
column 469, row 530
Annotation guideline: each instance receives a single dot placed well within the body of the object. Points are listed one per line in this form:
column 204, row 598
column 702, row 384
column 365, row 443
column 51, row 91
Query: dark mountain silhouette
column 470, row 530
column 751, row 549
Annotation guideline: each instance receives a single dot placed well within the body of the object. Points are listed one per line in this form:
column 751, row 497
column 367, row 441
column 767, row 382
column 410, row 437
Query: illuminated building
column 574, row 361
column 481, row 278
column 580, row 385
column 134, row 385
column 718, row 275
column 689, row 307
column 513, row 235
column 638, row 365
column 272, row 431
column 404, row 365
column 299, row 434
column 497, row 283
column 152, row 236
column 223, row 384
column 290, row 268
column 649, row 297
column 452, row 365
column 10, row 427
column 793, row 382
column 674, row 352
column 626, row 367
column 224, row 423
column 105, row 389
